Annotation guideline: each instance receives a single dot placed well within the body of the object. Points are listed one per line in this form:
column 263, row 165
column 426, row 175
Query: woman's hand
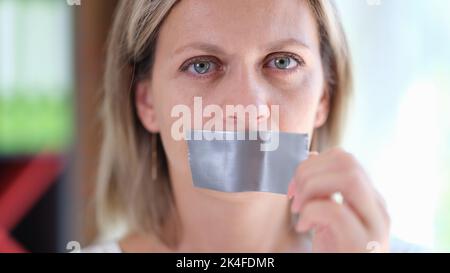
column 359, row 224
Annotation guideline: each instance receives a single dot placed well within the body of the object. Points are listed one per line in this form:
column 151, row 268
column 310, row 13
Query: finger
column 313, row 165
column 357, row 195
column 292, row 184
column 383, row 207
column 326, row 214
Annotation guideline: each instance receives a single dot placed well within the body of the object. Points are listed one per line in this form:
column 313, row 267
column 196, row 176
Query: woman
column 291, row 53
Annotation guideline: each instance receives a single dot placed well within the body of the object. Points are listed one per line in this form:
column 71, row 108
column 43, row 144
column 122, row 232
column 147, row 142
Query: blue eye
column 200, row 66
column 283, row 63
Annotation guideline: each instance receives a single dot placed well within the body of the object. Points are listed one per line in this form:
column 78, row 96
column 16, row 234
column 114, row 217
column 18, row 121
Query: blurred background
column 51, row 64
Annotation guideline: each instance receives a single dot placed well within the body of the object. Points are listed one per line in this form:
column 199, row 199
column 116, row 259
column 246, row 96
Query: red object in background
column 8, row 244
column 22, row 184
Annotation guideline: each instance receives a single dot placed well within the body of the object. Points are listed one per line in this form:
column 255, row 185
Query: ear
column 323, row 109
column 145, row 106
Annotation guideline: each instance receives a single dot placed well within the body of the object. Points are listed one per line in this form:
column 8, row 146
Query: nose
column 245, row 86
column 246, row 92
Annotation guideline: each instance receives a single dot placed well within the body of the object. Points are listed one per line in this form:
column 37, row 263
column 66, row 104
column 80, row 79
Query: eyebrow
column 214, row 49
column 207, row 47
column 280, row 44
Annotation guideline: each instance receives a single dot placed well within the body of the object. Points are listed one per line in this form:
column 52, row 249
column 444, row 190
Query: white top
column 107, row 247
column 396, row 245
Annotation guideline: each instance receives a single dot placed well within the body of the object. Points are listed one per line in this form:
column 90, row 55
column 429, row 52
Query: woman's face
column 233, row 52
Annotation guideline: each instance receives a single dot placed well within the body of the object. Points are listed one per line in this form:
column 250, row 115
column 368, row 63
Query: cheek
column 299, row 104
column 166, row 97
column 169, row 94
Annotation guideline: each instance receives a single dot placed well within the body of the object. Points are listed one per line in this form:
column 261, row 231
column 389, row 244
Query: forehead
column 234, row 24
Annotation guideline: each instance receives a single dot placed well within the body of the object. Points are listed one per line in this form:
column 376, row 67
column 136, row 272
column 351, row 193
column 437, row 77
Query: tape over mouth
column 229, row 161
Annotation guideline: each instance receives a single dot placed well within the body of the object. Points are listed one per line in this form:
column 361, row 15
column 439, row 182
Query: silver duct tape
column 222, row 161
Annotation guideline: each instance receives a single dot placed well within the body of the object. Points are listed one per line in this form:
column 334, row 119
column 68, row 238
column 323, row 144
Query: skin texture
column 241, row 42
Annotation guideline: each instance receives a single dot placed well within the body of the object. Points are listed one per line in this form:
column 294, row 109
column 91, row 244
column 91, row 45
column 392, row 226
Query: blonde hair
column 128, row 191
